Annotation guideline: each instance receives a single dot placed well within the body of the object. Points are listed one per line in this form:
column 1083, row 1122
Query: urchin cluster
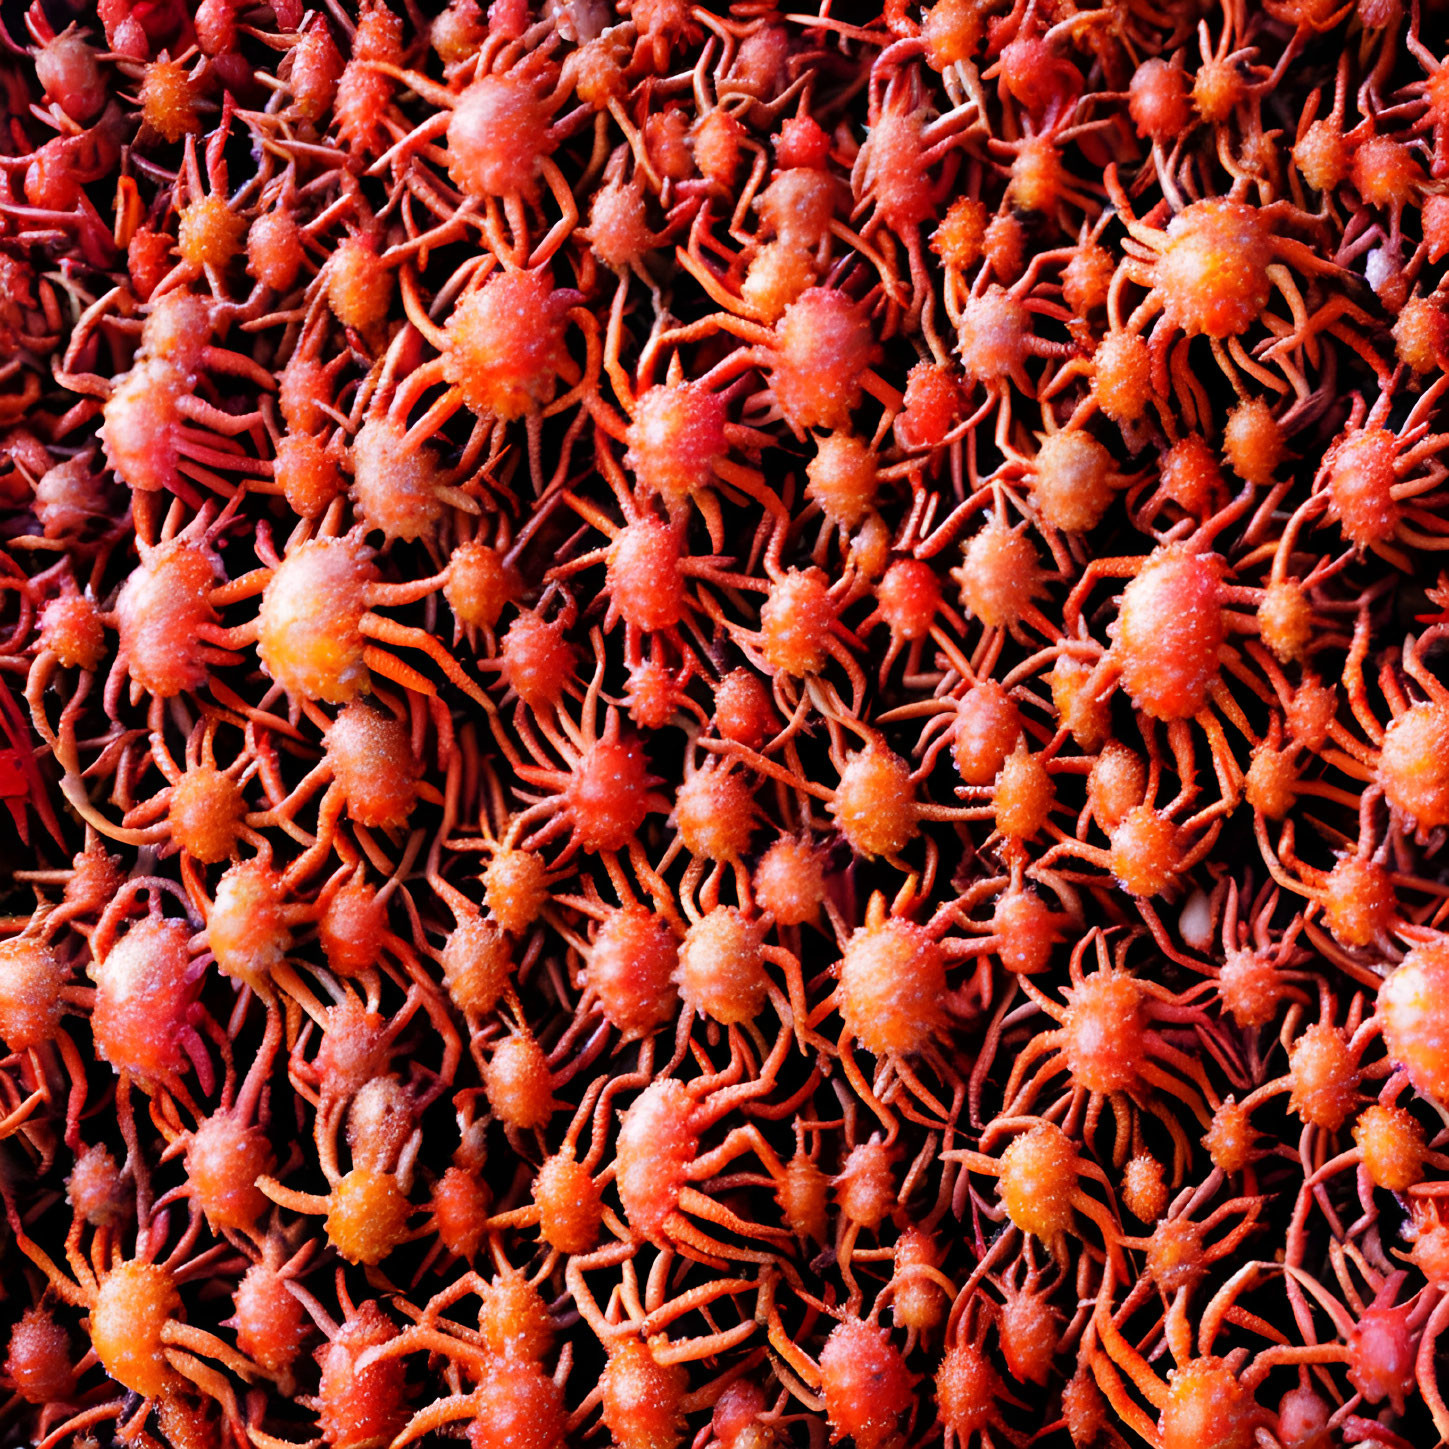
column 726, row 725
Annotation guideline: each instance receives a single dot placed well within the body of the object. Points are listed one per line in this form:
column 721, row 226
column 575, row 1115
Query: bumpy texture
column 723, row 725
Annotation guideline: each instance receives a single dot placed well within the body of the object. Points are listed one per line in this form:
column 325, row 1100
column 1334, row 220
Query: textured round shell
column 865, row 1383
column 1361, row 479
column 498, row 137
column 1073, row 480
column 992, row 334
column 480, row 583
column 987, row 727
column 30, row 981
column 1146, row 848
column 1213, row 273
column 1393, row 1145
column 656, row 1147
column 790, row 881
column 367, row 1217
column 966, row 1388
column 518, row 1083
column 357, row 1407
column 841, row 478
column 874, row 804
column 72, row 629
column 517, row 1407
column 135, row 1303
column 144, row 991
column 796, row 622
column 715, row 812
column 632, row 968
column 643, row 574
column 822, row 350
column 271, row 1325
column 206, row 813
column 160, row 609
column 373, row 765
column 1170, row 632
column 643, row 1399
column 675, row 437
column 1413, row 1012
column 224, row 1158
column 1324, row 1077
column 537, row 659
column 504, row 344
column 892, row 981
column 394, row 487
column 1414, row 764
column 1102, row 1032
column 999, row 573
column 570, row 1205
column 1038, row 1179
column 1207, row 1405
column 608, row 794
column 309, row 634
column 722, row 967
column 460, row 1211
column 247, row 927
column 477, row 963
column 515, row 889
column 38, row 1360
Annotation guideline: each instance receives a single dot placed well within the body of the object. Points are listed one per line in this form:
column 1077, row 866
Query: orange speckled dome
column 517, row 1407
column 31, row 978
column 1102, row 1032
column 477, row 964
column 504, row 344
column 722, row 968
column 823, row 346
column 247, row 928
column 570, row 1205
column 1414, row 764
column 643, row 1399
column 206, row 813
column 224, row 1158
column 145, row 987
column 1207, row 1405
column 796, row 623
column 1038, row 1179
column 644, row 577
column 160, row 610
column 675, row 438
column 1169, row 633
column 498, row 137
column 270, row 1323
column 631, row 970
column 865, row 1383
column 874, row 805
column 135, row 1303
column 310, row 637
column 394, row 486
column 72, row 628
column 368, row 1216
column 1413, row 1012
column 1213, row 273
column 608, row 793
column 373, row 765
column 892, row 980
column 358, row 1407
column 656, row 1146
column 966, row 1389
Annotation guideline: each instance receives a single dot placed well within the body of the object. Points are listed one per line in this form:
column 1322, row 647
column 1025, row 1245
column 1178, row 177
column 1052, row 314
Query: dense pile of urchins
column 727, row 727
